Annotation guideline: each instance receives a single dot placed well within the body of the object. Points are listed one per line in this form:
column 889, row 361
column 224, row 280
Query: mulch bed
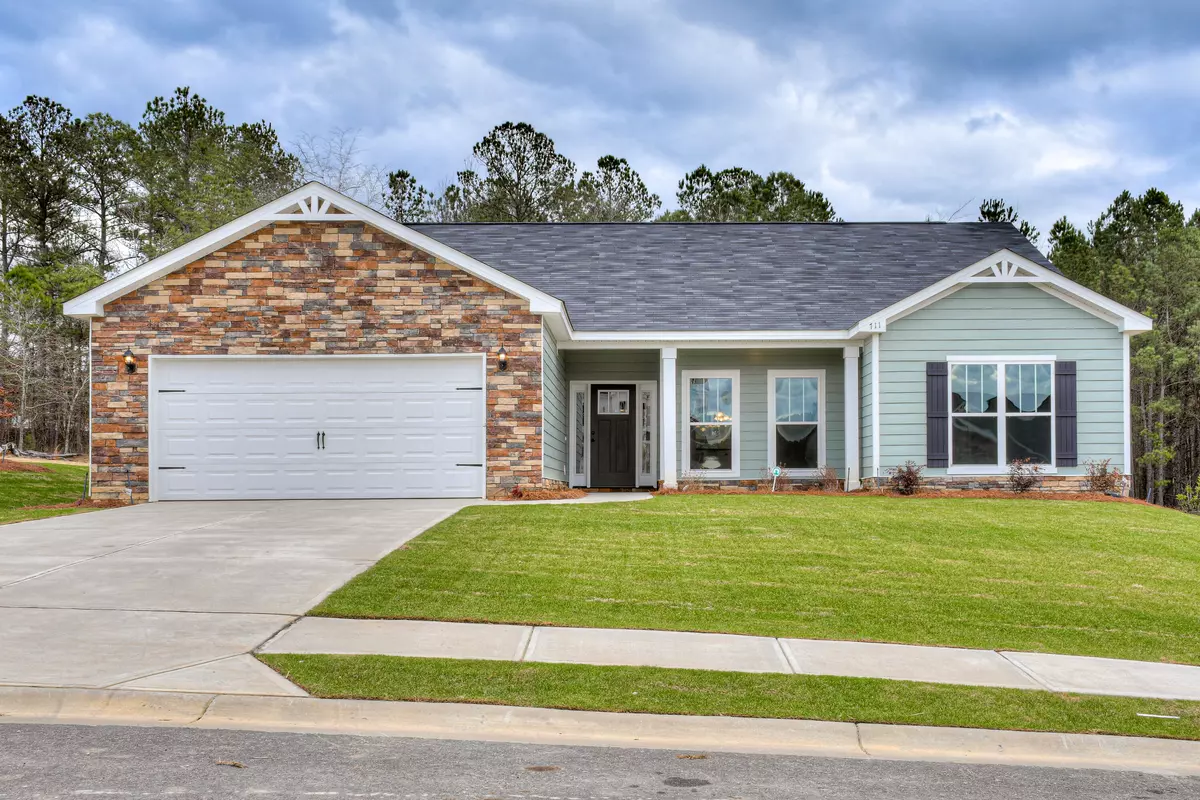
column 966, row 494
column 545, row 494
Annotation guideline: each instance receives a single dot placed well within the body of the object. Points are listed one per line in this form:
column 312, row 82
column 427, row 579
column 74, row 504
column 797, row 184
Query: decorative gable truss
column 316, row 206
column 1006, row 266
column 1004, row 271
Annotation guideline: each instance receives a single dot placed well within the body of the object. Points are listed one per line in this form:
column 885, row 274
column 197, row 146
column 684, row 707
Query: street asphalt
column 59, row 761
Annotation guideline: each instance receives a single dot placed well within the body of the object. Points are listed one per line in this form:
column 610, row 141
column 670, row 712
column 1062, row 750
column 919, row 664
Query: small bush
column 690, row 482
column 827, row 476
column 769, row 483
column 1102, row 477
column 1189, row 501
column 906, row 479
column 1024, row 475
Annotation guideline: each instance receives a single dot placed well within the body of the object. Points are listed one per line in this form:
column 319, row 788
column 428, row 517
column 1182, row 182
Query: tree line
column 84, row 198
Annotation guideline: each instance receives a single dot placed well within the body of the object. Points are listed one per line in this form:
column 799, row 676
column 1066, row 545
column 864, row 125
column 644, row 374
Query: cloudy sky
column 896, row 110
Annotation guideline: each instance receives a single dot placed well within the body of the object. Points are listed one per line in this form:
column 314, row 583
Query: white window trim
column 822, row 422
column 1001, row 363
column 686, row 420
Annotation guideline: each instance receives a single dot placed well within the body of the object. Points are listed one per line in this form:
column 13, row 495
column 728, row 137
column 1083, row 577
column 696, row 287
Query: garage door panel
column 247, row 428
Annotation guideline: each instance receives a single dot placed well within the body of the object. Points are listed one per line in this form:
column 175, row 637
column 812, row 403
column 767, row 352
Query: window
column 712, row 414
column 990, row 429
column 612, row 401
column 795, row 419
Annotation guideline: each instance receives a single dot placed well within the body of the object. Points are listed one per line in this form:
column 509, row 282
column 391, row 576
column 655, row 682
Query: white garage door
column 230, row 428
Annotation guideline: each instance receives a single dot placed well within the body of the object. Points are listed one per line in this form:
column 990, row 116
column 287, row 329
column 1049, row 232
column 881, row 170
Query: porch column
column 669, row 429
column 850, row 357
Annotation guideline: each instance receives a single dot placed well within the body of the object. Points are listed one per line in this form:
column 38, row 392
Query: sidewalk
column 717, row 651
column 599, row 729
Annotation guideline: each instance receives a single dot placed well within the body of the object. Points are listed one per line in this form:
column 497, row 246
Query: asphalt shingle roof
column 706, row 277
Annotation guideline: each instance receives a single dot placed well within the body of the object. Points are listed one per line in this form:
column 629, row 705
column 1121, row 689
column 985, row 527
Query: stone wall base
column 1060, row 484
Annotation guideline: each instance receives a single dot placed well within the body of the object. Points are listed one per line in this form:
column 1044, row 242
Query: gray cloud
column 895, row 110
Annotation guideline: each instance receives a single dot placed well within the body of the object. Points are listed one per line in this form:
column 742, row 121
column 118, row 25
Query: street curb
column 463, row 721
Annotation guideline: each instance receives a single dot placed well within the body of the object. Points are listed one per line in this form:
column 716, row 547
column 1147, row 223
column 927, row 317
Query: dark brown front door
column 613, row 432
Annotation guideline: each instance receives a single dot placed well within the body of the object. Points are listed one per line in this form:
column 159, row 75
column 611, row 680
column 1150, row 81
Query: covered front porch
column 649, row 416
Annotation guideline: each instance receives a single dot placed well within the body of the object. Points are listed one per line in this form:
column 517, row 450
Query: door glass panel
column 580, row 432
column 645, row 441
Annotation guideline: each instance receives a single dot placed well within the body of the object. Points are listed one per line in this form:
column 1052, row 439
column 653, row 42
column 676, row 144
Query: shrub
column 827, row 476
column 690, row 482
column 1102, row 478
column 1024, row 475
column 1189, row 501
column 906, row 479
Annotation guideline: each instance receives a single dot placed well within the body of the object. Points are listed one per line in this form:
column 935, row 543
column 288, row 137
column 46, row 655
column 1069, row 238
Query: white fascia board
column 1126, row 319
column 707, row 336
column 718, row 341
column 91, row 304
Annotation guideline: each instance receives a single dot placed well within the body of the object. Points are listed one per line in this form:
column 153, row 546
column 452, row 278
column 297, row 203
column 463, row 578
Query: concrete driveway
column 174, row 595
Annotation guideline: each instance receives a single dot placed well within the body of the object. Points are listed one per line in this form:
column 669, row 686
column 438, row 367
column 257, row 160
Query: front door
column 613, row 437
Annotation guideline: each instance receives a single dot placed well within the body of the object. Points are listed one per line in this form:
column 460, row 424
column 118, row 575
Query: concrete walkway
column 717, row 651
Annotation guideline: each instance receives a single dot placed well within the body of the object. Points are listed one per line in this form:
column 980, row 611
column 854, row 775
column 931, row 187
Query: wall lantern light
column 130, row 362
column 502, row 359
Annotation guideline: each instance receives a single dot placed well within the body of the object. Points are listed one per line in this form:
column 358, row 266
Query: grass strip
column 60, row 483
column 700, row 692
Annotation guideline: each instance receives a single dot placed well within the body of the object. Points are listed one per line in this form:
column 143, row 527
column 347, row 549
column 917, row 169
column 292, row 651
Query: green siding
column 554, row 409
column 1003, row 319
column 865, row 401
column 611, row 365
column 753, row 366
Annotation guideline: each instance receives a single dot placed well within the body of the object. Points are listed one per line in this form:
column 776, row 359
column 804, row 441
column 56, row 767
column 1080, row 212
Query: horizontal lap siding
column 1005, row 319
column 753, row 366
column 554, row 409
column 614, row 365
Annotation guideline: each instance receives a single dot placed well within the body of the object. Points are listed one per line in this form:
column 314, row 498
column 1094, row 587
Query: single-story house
column 316, row 348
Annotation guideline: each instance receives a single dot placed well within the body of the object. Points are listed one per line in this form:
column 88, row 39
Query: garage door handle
column 172, row 467
column 468, row 388
column 468, row 465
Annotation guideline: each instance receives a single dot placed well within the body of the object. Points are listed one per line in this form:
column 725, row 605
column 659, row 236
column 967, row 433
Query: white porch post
column 850, row 357
column 669, row 429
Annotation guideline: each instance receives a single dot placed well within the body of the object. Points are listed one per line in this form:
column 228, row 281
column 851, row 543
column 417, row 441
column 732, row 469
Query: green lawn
column 682, row 691
column 19, row 490
column 1105, row 579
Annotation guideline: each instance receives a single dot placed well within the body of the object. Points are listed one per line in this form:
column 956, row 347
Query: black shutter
column 1065, row 428
column 937, row 416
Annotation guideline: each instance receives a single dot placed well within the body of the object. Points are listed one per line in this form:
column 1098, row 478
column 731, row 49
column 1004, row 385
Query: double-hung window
column 1000, row 411
column 796, row 419
column 711, row 408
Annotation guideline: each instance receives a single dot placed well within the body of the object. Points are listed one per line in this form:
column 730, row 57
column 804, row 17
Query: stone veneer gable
column 314, row 288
